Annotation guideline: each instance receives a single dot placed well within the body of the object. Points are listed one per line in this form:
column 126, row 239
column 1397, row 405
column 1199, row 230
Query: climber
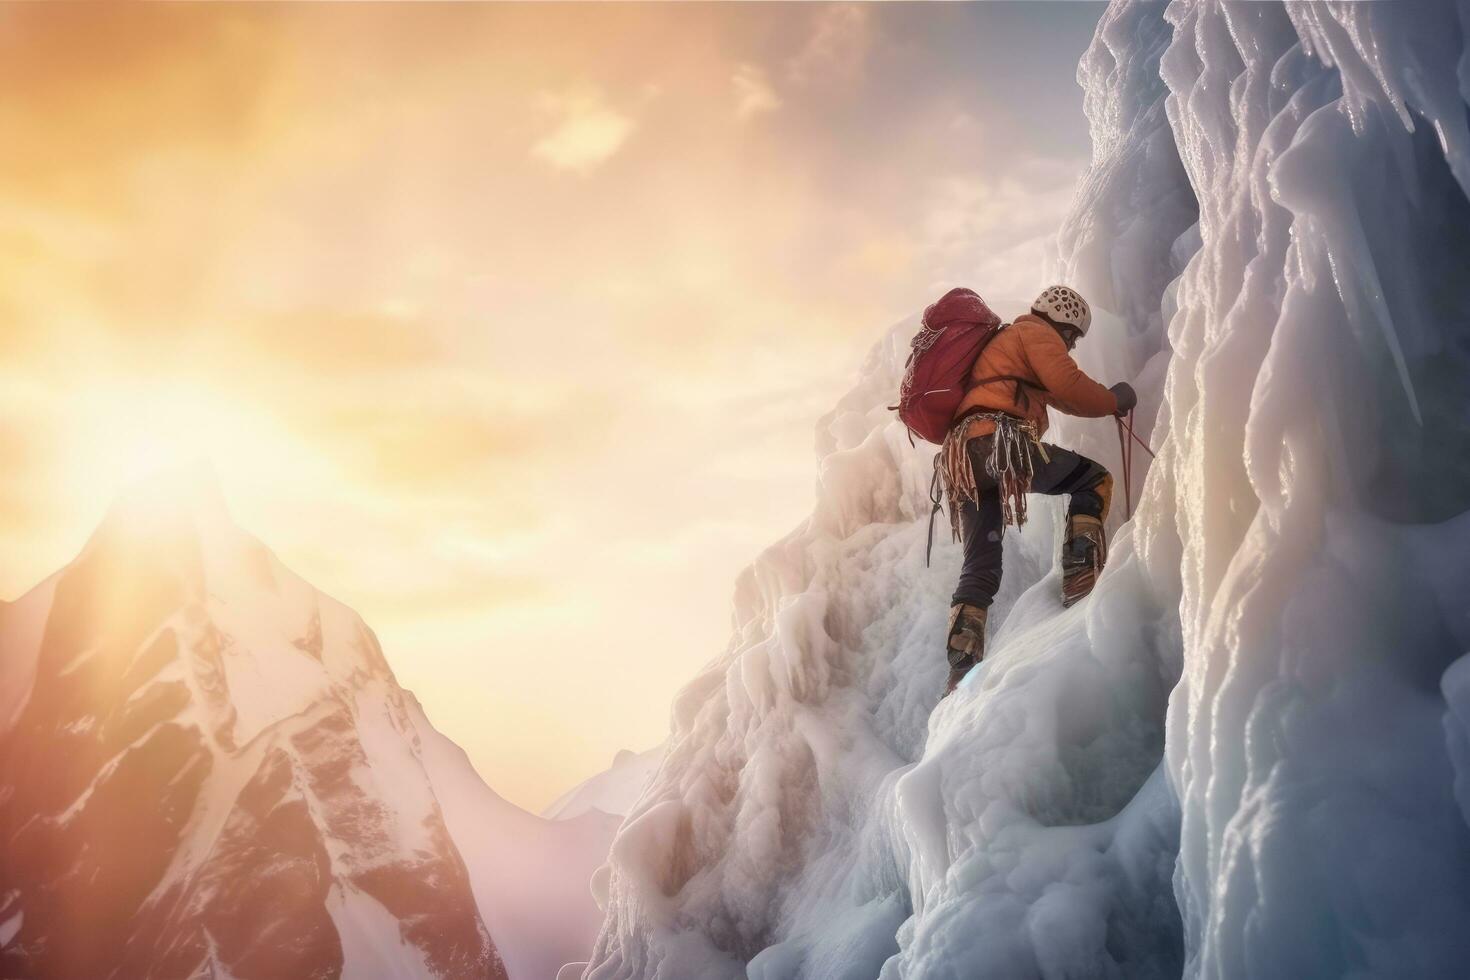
column 993, row 456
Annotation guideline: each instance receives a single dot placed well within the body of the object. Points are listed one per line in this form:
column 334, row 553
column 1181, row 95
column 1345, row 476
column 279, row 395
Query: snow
column 1248, row 753
column 10, row 927
column 228, row 777
column 391, row 769
column 249, row 615
column 266, row 655
column 614, row 790
column 531, row 877
column 372, row 943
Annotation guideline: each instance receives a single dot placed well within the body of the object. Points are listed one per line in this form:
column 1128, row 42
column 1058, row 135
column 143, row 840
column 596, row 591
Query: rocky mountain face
column 207, row 769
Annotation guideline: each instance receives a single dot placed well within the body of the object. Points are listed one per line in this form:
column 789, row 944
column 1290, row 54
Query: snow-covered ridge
column 1248, row 753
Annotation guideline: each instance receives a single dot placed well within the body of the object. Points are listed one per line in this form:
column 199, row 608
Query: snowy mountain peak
column 212, row 769
column 169, row 571
column 178, row 518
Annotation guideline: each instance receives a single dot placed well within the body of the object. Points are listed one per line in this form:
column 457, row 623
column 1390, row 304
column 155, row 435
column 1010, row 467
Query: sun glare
column 125, row 433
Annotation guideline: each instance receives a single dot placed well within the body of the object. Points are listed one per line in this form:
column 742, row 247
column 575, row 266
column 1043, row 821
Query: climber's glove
column 1127, row 397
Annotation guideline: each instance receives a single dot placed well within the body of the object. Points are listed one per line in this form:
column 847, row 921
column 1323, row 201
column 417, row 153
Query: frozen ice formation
column 1248, row 753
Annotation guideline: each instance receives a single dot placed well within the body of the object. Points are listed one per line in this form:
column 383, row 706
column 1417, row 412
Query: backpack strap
column 936, row 496
column 1009, row 377
column 1021, row 385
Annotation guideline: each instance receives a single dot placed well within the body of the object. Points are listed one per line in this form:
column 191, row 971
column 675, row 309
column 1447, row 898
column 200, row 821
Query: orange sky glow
column 509, row 325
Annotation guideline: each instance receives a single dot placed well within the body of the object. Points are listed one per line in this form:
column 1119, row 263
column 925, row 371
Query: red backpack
column 955, row 330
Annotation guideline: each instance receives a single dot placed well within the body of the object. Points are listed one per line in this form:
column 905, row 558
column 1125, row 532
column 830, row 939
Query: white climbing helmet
column 1064, row 306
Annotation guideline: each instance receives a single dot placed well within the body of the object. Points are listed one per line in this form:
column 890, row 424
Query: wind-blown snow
column 1248, row 753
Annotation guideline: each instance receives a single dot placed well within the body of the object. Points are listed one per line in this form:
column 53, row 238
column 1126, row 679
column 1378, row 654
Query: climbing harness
column 1009, row 464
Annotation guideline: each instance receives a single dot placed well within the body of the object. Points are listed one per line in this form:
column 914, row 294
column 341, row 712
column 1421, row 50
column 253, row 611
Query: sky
column 507, row 325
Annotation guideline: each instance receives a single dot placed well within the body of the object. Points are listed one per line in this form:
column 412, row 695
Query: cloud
column 23, row 501
column 993, row 231
column 421, row 445
column 753, row 92
column 440, row 587
column 177, row 82
column 448, row 435
column 333, row 342
column 587, row 134
column 841, row 38
column 432, row 373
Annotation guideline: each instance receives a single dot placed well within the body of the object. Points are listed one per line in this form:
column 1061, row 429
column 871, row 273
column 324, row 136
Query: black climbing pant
column 1088, row 483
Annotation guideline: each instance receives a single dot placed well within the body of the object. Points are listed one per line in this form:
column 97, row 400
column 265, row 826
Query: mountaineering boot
column 1083, row 557
column 966, row 642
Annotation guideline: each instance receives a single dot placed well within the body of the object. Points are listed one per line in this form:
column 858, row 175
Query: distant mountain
column 614, row 790
column 207, row 769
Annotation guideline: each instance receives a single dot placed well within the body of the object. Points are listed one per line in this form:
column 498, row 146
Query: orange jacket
column 1030, row 348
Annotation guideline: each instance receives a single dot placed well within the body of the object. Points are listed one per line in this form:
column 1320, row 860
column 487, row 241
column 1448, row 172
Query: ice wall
column 1319, row 405
column 1248, row 753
